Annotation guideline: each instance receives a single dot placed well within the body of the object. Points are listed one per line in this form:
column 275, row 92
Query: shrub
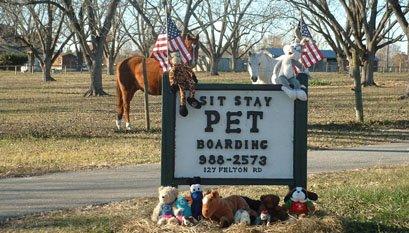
column 13, row 59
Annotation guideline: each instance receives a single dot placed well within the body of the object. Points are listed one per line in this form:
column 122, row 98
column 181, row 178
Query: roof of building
column 276, row 52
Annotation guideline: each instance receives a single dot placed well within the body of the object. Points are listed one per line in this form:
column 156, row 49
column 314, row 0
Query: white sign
column 236, row 134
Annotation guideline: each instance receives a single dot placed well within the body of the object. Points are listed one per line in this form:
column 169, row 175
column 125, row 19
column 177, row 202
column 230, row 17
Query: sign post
column 243, row 134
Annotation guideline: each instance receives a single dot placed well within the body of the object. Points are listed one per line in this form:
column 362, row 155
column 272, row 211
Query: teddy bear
column 284, row 72
column 184, row 212
column 299, row 201
column 223, row 210
column 164, row 211
column 182, row 76
column 267, row 208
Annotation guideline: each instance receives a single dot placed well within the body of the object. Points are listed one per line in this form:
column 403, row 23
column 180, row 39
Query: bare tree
column 351, row 42
column 142, row 29
column 376, row 31
column 115, row 40
column 47, row 21
column 148, row 20
column 400, row 12
column 218, row 12
column 99, row 29
column 252, row 28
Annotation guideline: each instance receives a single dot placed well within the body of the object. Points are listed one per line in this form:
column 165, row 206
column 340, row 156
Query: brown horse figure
column 129, row 78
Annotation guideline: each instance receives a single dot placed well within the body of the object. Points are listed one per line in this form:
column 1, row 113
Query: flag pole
column 167, row 9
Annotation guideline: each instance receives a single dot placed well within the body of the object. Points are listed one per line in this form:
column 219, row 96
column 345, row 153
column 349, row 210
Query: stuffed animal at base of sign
column 299, row 201
column 265, row 218
column 284, row 72
column 184, row 212
column 196, row 195
column 183, row 77
column 267, row 208
column 242, row 216
column 223, row 210
column 163, row 213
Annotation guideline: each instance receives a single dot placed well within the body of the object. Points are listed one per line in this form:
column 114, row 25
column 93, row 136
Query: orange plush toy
column 223, row 210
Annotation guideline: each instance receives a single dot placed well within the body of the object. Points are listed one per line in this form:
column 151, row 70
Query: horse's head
column 192, row 45
column 253, row 66
column 210, row 203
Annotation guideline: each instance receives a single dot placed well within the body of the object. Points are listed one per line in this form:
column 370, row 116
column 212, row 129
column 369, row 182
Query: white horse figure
column 261, row 66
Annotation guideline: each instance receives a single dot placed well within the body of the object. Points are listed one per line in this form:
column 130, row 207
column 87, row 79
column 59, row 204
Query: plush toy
column 242, row 216
column 299, row 201
column 268, row 209
column 184, row 212
column 164, row 210
column 265, row 218
column 183, row 77
column 196, row 195
column 284, row 73
column 223, row 210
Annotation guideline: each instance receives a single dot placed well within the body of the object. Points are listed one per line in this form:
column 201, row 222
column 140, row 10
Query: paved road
column 20, row 196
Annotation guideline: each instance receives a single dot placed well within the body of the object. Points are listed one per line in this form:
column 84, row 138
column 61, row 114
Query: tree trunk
column 31, row 62
column 47, row 70
column 214, row 69
column 111, row 65
column 369, row 71
column 95, row 88
column 354, row 72
column 80, row 60
column 341, row 64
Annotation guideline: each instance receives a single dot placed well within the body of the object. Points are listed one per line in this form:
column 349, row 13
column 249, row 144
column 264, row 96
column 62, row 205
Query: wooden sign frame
column 168, row 138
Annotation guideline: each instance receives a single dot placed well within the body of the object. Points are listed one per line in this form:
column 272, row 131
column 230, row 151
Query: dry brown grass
column 51, row 127
column 367, row 200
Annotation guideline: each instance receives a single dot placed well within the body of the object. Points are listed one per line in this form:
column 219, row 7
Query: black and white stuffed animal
column 299, row 201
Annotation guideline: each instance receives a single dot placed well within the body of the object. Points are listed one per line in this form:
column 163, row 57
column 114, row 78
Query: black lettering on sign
column 254, row 144
column 257, row 102
column 200, row 144
column 211, row 100
column 268, row 100
column 218, row 145
column 213, row 117
column 228, row 143
column 263, row 144
column 221, row 99
column 237, row 100
column 203, row 100
column 231, row 122
column 247, row 99
column 254, row 115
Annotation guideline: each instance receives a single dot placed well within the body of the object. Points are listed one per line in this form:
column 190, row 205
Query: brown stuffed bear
column 221, row 209
column 268, row 204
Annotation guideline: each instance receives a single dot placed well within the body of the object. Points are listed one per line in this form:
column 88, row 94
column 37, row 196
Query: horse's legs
column 126, row 98
column 119, row 109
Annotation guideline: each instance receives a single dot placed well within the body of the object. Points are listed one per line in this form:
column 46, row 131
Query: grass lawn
column 50, row 127
column 370, row 200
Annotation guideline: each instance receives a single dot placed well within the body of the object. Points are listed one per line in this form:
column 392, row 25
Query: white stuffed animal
column 284, row 71
column 242, row 216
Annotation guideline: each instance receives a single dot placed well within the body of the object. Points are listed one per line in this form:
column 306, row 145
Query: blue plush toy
column 184, row 211
column 196, row 193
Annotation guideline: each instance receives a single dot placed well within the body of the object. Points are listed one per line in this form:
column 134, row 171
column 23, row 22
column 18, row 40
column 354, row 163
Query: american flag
column 311, row 53
column 169, row 42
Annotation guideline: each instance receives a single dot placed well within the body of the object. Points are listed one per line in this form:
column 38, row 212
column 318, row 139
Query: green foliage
column 13, row 59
